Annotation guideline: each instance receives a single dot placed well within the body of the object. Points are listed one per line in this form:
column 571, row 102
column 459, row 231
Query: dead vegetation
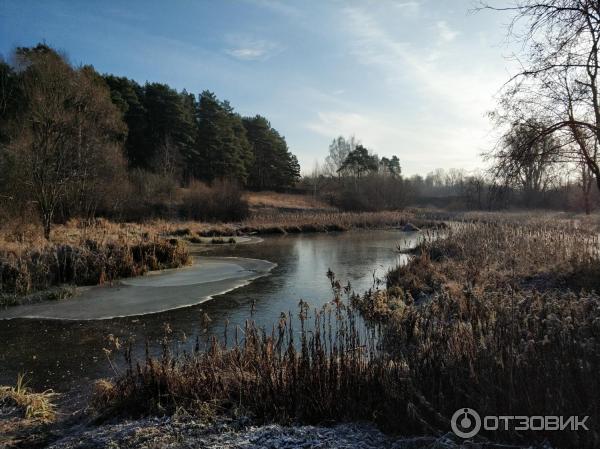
column 33, row 270
column 269, row 222
column 26, row 417
column 487, row 256
column 28, row 404
column 462, row 325
column 286, row 201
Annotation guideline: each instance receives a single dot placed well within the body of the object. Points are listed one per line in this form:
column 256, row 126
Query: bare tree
column 474, row 191
column 586, row 182
column 64, row 143
column 339, row 149
column 525, row 159
column 558, row 82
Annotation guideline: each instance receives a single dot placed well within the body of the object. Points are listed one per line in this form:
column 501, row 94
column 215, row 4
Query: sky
column 412, row 78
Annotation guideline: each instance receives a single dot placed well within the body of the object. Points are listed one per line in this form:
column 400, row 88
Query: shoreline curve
column 153, row 293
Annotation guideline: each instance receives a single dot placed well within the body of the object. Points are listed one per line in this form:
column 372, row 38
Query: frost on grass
column 169, row 433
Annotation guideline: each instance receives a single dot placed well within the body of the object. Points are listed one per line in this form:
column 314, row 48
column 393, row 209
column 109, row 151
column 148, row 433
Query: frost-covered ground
column 168, row 433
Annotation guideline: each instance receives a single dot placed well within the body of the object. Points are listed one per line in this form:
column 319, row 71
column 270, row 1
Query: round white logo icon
column 466, row 422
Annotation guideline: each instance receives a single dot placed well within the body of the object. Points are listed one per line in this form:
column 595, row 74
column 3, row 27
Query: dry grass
column 507, row 325
column 31, row 405
column 326, row 374
column 295, row 222
column 500, row 315
column 286, row 201
column 553, row 219
column 81, row 255
column 493, row 255
column 17, row 237
column 518, row 353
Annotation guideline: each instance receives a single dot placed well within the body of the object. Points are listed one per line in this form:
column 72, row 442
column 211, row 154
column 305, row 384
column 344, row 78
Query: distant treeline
column 354, row 178
column 74, row 142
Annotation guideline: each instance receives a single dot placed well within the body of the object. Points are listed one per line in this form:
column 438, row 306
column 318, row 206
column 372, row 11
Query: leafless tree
column 64, row 143
column 558, row 82
column 526, row 159
column 339, row 149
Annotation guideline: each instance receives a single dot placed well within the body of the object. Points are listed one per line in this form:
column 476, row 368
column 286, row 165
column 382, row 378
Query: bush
column 220, row 202
column 372, row 193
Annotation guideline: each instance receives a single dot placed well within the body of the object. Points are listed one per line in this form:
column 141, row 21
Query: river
column 65, row 354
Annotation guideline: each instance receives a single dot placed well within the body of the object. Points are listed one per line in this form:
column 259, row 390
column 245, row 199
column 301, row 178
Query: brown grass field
column 287, row 201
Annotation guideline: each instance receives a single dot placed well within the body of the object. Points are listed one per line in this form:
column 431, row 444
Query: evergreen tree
column 274, row 166
column 391, row 166
column 170, row 127
column 128, row 96
column 221, row 141
column 359, row 161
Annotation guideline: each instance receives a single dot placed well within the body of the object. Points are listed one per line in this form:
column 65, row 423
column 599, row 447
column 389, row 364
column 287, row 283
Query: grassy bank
column 488, row 256
column 32, row 269
column 90, row 253
column 279, row 222
column 501, row 318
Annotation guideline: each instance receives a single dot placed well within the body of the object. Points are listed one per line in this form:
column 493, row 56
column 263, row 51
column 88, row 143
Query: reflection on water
column 64, row 354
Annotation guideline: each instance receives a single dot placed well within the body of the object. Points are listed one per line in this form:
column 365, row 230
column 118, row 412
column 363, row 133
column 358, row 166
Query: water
column 156, row 292
column 67, row 354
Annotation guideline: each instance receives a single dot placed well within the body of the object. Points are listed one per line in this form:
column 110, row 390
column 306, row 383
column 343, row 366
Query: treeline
column 201, row 138
column 77, row 143
column 354, row 178
column 459, row 190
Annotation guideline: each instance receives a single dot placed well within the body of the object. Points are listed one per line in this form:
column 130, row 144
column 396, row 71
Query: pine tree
column 274, row 166
column 221, row 141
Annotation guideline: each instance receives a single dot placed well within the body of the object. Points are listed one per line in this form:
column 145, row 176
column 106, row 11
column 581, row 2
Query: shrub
column 222, row 201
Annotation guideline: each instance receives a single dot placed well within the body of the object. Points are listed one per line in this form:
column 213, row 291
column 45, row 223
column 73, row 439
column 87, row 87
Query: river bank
column 489, row 299
column 156, row 292
column 34, row 270
column 464, row 323
column 69, row 356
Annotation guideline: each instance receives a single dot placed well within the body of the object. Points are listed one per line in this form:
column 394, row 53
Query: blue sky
column 413, row 78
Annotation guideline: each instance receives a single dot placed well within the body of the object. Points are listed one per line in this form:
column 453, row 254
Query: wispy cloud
column 410, row 8
column 446, row 33
column 249, row 49
column 449, row 126
column 277, row 6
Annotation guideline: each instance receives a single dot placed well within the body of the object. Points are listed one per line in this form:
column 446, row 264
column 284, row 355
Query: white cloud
column 422, row 146
column 450, row 96
column 248, row 49
column 409, row 8
column 446, row 33
column 460, row 84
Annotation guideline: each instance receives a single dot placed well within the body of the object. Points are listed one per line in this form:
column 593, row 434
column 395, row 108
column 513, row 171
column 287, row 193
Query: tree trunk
column 47, row 223
column 47, row 226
